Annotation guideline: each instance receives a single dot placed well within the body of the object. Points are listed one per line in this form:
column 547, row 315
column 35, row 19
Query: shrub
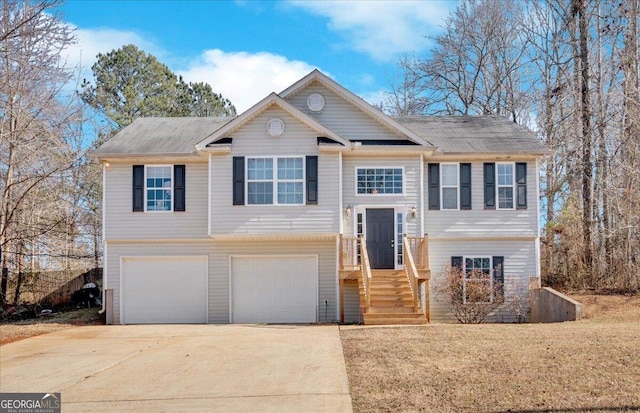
column 471, row 296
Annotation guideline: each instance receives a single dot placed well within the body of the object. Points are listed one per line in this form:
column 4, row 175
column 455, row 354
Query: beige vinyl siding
column 117, row 250
column 253, row 140
column 352, row 312
column 342, row 117
column 480, row 222
column 121, row 223
column 519, row 264
column 219, row 275
column 402, row 203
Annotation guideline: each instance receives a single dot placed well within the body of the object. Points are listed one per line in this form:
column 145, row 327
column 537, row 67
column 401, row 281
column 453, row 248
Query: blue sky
column 247, row 49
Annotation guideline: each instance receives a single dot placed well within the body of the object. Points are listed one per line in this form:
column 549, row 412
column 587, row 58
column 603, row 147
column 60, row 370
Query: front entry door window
column 380, row 238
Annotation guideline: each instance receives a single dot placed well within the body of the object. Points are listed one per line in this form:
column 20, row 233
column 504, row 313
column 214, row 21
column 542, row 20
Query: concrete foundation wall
column 550, row 306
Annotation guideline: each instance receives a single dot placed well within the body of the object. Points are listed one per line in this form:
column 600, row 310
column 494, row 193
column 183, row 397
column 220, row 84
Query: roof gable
column 258, row 108
column 355, row 101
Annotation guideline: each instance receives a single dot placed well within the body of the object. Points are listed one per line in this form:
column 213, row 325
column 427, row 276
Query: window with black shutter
column 433, row 171
column 465, row 186
column 489, row 185
column 312, row 180
column 138, row 188
column 521, row 185
column 238, row 180
column 179, row 181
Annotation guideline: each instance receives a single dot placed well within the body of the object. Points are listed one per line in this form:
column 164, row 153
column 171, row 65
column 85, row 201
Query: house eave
column 244, row 237
column 481, row 156
column 113, row 156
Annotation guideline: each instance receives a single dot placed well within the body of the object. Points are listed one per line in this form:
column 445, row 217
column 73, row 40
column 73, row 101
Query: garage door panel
column 274, row 289
column 159, row 290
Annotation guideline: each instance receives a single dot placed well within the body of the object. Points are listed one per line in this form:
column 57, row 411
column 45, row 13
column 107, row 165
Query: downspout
column 340, row 232
column 104, row 242
column 209, row 199
column 422, row 214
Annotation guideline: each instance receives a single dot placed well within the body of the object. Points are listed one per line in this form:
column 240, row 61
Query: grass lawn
column 10, row 332
column 592, row 365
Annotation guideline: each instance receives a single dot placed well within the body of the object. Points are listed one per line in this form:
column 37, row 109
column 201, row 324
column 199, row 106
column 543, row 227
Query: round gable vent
column 315, row 102
column 275, row 127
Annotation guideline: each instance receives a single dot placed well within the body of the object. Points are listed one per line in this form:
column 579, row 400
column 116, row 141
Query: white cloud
column 90, row 42
column 242, row 77
column 245, row 78
column 382, row 29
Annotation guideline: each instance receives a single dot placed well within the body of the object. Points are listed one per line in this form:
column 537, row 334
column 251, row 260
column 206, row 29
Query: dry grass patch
column 10, row 332
column 591, row 365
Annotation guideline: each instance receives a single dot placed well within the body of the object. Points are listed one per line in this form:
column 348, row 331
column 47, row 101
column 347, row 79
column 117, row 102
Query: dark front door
column 380, row 238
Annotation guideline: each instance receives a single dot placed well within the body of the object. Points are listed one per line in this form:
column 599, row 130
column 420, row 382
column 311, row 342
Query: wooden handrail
column 348, row 252
column 411, row 271
column 366, row 274
column 419, row 248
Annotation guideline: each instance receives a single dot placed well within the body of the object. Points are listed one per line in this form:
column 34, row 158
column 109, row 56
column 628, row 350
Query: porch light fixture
column 414, row 211
column 347, row 212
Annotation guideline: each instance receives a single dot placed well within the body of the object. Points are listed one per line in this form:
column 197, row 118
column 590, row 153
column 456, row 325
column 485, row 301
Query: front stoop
column 391, row 301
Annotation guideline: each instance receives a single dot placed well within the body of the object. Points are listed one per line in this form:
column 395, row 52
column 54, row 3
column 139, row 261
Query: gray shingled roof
column 160, row 136
column 474, row 134
column 451, row 134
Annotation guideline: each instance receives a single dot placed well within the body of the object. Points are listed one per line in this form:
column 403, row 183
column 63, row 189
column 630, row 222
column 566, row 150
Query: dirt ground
column 10, row 332
column 592, row 365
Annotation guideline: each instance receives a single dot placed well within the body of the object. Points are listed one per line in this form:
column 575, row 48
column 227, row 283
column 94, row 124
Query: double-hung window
column 482, row 277
column 158, row 188
column 275, row 181
column 505, row 185
column 478, row 282
column 450, row 186
column 388, row 181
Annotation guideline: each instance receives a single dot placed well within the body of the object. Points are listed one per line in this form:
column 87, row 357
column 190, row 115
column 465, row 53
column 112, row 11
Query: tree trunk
column 587, row 164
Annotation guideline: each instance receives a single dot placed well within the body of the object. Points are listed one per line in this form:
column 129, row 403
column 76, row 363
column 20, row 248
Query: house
column 313, row 206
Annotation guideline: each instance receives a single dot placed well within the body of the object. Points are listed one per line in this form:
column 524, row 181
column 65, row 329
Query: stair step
column 386, row 310
column 390, row 298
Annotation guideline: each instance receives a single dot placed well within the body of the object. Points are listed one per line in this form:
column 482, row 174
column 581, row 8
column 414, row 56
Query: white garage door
column 159, row 290
column 274, row 289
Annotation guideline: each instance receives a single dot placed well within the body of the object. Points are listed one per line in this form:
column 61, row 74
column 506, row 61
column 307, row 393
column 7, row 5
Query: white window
column 158, row 188
column 287, row 182
column 506, row 181
column 450, row 185
column 478, row 280
column 388, row 181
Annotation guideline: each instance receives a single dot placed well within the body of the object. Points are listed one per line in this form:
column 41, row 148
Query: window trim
column 356, row 168
column 492, row 297
column 457, row 186
column 275, row 179
column 171, row 175
column 513, row 186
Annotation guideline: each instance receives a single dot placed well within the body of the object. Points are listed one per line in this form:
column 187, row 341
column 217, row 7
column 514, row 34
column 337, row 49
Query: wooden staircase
column 391, row 301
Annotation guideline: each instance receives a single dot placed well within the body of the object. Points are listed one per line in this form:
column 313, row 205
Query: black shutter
column 434, row 185
column 456, row 262
column 312, row 180
column 498, row 275
column 238, row 180
column 489, row 186
column 465, row 186
column 521, row 185
column 179, row 188
column 138, row 188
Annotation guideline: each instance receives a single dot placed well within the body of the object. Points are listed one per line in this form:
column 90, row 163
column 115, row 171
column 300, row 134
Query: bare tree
column 35, row 119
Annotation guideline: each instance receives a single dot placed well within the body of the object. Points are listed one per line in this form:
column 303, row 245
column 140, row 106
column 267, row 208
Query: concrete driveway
column 228, row 368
